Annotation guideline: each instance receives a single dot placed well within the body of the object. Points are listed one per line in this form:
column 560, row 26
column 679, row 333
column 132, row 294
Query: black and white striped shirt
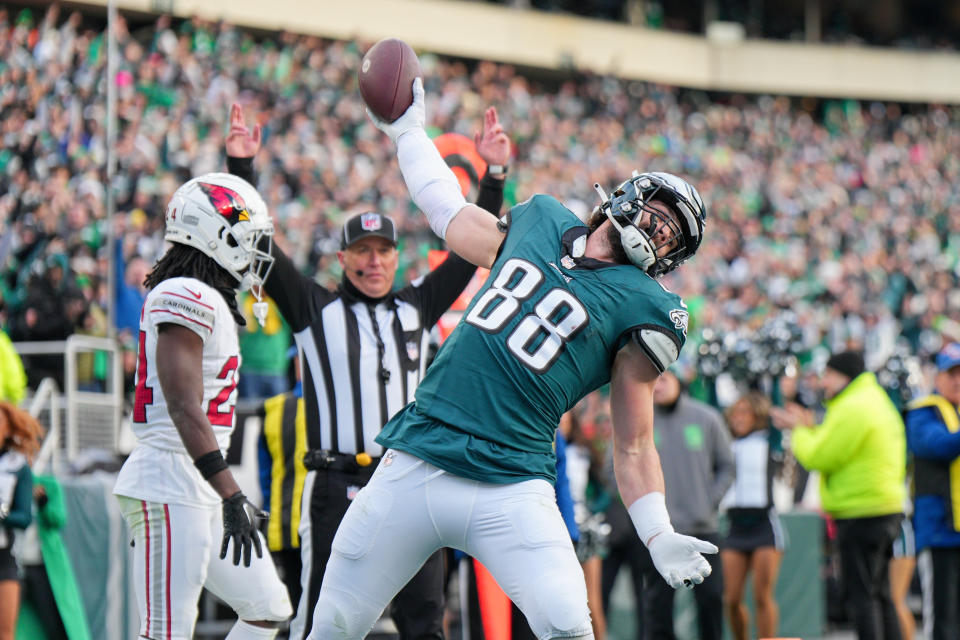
column 337, row 332
column 347, row 402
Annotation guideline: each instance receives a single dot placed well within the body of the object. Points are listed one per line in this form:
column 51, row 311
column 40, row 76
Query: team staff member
column 860, row 451
column 362, row 349
column 933, row 435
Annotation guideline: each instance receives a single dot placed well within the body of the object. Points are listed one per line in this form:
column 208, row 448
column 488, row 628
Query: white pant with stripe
column 176, row 552
column 410, row 508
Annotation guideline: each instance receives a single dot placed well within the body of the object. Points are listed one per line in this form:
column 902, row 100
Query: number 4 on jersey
column 143, row 395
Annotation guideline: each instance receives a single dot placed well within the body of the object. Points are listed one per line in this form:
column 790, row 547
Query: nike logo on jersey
column 193, row 293
column 562, row 274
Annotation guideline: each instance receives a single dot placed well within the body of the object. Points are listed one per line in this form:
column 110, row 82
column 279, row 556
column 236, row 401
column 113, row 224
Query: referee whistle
column 363, row 459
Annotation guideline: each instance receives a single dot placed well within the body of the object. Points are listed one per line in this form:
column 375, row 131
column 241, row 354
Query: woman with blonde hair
column 756, row 539
column 20, row 436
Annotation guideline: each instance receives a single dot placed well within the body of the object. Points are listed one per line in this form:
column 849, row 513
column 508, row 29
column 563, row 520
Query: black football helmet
column 643, row 238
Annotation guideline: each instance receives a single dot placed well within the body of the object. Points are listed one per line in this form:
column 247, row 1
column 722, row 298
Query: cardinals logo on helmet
column 227, row 202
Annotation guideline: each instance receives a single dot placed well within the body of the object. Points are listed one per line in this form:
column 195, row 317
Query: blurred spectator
column 902, row 566
column 263, row 351
column 860, row 451
column 756, row 538
column 698, row 467
column 281, row 446
column 131, row 292
column 52, row 309
column 49, row 585
column 933, row 435
column 19, row 441
column 583, row 465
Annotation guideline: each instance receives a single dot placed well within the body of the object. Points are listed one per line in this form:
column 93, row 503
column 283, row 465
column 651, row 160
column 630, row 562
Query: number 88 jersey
column 201, row 308
column 542, row 333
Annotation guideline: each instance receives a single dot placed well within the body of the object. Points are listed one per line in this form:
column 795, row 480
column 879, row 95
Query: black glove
column 241, row 525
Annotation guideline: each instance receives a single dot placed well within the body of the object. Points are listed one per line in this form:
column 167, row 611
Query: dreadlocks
column 181, row 261
column 19, row 430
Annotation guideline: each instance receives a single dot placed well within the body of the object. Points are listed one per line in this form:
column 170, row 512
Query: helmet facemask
column 654, row 240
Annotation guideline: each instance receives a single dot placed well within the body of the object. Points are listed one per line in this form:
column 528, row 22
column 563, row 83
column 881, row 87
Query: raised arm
column 640, row 477
column 469, row 230
column 292, row 291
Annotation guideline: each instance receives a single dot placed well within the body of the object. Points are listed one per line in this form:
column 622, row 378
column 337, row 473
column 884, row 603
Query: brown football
column 386, row 78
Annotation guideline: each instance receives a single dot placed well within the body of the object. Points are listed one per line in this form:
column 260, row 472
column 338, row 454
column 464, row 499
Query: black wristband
column 241, row 167
column 210, row 463
column 492, row 182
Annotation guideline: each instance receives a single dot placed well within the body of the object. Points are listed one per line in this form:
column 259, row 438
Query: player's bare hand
column 241, row 142
column 492, row 143
column 240, row 518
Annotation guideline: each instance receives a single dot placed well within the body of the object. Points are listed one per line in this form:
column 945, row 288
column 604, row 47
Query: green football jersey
column 540, row 335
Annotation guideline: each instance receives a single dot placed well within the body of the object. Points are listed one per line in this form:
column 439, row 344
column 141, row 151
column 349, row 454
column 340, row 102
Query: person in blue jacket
column 933, row 436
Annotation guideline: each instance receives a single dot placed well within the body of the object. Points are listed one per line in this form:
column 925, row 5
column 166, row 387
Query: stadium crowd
column 843, row 213
column 847, row 208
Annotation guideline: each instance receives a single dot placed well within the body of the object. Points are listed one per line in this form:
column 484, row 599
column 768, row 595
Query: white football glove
column 413, row 118
column 677, row 558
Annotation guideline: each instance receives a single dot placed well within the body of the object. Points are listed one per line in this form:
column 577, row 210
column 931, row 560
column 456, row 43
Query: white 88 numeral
column 539, row 337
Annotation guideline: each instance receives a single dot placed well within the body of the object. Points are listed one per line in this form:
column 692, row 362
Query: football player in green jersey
column 567, row 307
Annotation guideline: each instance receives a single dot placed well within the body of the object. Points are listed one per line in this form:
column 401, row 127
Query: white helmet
column 224, row 217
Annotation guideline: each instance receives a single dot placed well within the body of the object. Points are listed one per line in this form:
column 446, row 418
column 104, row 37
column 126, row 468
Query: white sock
column 246, row 631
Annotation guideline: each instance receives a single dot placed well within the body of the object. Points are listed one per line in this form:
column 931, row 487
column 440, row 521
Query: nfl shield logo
column 413, row 350
column 352, row 491
column 370, row 222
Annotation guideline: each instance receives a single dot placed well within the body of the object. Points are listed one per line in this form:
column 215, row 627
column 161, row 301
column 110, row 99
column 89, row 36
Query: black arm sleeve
column 490, row 196
column 290, row 289
column 442, row 286
column 242, row 168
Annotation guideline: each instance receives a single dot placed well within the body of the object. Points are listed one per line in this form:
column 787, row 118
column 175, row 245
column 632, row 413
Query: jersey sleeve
column 188, row 304
column 662, row 337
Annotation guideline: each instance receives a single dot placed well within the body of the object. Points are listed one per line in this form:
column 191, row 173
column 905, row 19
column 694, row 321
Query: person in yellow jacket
column 13, row 379
column 860, row 452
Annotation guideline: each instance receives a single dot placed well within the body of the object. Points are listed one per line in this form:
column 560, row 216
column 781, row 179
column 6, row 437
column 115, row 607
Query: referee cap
column 367, row 224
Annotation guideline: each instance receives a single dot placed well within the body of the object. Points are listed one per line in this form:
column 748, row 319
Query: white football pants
column 410, row 508
column 177, row 552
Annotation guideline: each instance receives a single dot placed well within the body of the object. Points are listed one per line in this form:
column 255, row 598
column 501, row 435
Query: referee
column 363, row 351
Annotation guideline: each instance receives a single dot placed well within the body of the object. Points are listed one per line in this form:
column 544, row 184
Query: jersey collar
column 574, row 243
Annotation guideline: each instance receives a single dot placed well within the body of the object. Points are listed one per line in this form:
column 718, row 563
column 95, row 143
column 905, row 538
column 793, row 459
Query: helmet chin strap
column 256, row 288
column 636, row 244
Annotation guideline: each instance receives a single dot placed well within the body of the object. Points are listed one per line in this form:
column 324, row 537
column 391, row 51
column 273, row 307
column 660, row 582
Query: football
column 386, row 78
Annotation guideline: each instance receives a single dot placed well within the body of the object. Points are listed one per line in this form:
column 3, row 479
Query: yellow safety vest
column 285, row 431
column 948, row 413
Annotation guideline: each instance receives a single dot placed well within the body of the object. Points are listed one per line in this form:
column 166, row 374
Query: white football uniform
column 173, row 514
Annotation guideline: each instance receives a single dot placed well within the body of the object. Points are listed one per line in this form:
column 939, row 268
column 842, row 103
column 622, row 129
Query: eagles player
column 174, row 480
column 566, row 309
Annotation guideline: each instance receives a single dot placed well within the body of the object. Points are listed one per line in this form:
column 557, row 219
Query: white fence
column 77, row 419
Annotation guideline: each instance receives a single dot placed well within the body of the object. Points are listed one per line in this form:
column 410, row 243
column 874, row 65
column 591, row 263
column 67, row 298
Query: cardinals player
column 175, row 490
